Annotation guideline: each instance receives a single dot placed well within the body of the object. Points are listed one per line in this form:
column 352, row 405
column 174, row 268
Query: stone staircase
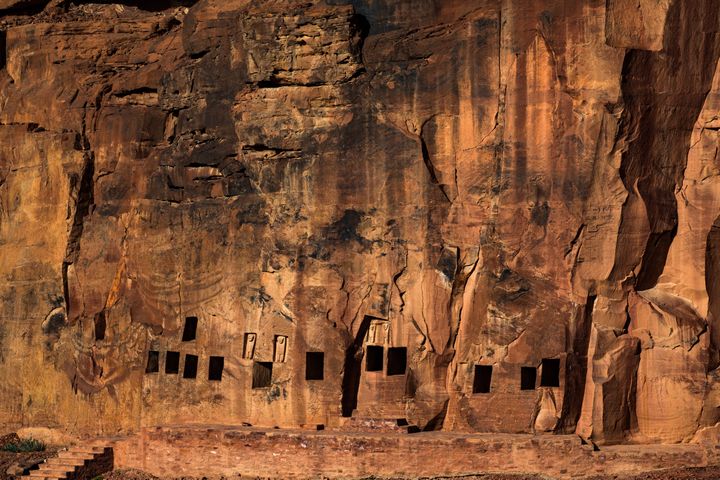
column 81, row 462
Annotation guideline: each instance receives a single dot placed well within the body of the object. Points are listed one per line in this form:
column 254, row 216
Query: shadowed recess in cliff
column 359, row 29
column 576, row 368
column 84, row 203
column 431, row 168
column 386, row 16
column 353, row 369
column 663, row 93
column 712, row 285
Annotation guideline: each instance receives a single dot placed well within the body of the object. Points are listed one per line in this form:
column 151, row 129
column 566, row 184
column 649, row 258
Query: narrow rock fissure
column 576, row 370
column 353, row 369
column 654, row 258
column 431, row 168
column 84, row 205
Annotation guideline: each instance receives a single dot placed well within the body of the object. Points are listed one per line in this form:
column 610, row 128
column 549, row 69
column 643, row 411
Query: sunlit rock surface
column 479, row 216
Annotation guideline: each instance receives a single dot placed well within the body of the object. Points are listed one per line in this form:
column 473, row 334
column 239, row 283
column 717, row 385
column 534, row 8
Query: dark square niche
column 153, row 362
column 262, row 374
column 528, row 377
column 314, row 365
column 550, row 376
column 190, row 330
column 482, row 379
column 215, row 369
column 374, row 358
column 191, row 364
column 397, row 361
column 172, row 362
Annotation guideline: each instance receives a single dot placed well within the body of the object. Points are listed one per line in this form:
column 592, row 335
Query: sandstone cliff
column 477, row 215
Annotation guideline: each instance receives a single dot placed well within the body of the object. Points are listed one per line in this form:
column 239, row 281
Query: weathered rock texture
column 531, row 186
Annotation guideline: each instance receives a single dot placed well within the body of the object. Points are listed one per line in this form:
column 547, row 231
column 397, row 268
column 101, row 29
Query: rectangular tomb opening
column 172, row 362
column 314, row 365
column 100, row 325
column 153, row 362
column 190, row 330
column 262, row 374
column 191, row 364
column 528, row 377
column 374, row 358
column 482, row 379
column 550, row 376
column 215, row 369
column 397, row 361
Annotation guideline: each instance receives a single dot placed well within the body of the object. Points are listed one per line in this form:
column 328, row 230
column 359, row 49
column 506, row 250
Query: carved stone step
column 70, row 462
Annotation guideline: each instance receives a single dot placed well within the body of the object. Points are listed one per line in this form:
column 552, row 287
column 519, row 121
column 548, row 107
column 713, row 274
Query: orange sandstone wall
column 481, row 183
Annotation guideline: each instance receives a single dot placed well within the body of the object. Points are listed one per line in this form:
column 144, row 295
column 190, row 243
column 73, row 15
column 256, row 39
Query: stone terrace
column 214, row 451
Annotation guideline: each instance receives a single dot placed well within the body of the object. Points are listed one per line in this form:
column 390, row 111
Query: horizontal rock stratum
column 475, row 215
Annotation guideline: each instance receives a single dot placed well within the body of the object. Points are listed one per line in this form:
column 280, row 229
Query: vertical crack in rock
column 575, row 241
column 457, row 296
column 576, row 368
column 663, row 94
column 430, row 167
column 84, row 204
column 353, row 370
column 426, row 332
column 359, row 30
column 654, row 257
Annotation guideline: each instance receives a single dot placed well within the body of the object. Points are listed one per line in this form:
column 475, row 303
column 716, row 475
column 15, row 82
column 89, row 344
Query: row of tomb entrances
column 549, row 376
column 379, row 357
column 262, row 371
column 190, row 368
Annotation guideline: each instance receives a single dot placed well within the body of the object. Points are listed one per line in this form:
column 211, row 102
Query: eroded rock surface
column 481, row 216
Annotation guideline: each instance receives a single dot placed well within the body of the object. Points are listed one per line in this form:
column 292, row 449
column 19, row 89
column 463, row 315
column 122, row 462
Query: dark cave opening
column 482, row 378
column 262, row 374
column 397, row 361
column 191, row 364
column 153, row 362
column 314, row 365
column 216, row 367
column 550, row 376
column 190, row 330
column 374, row 358
column 528, row 378
column 172, row 362
column 100, row 325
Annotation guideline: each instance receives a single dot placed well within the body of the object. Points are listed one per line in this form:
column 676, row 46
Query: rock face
column 482, row 216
